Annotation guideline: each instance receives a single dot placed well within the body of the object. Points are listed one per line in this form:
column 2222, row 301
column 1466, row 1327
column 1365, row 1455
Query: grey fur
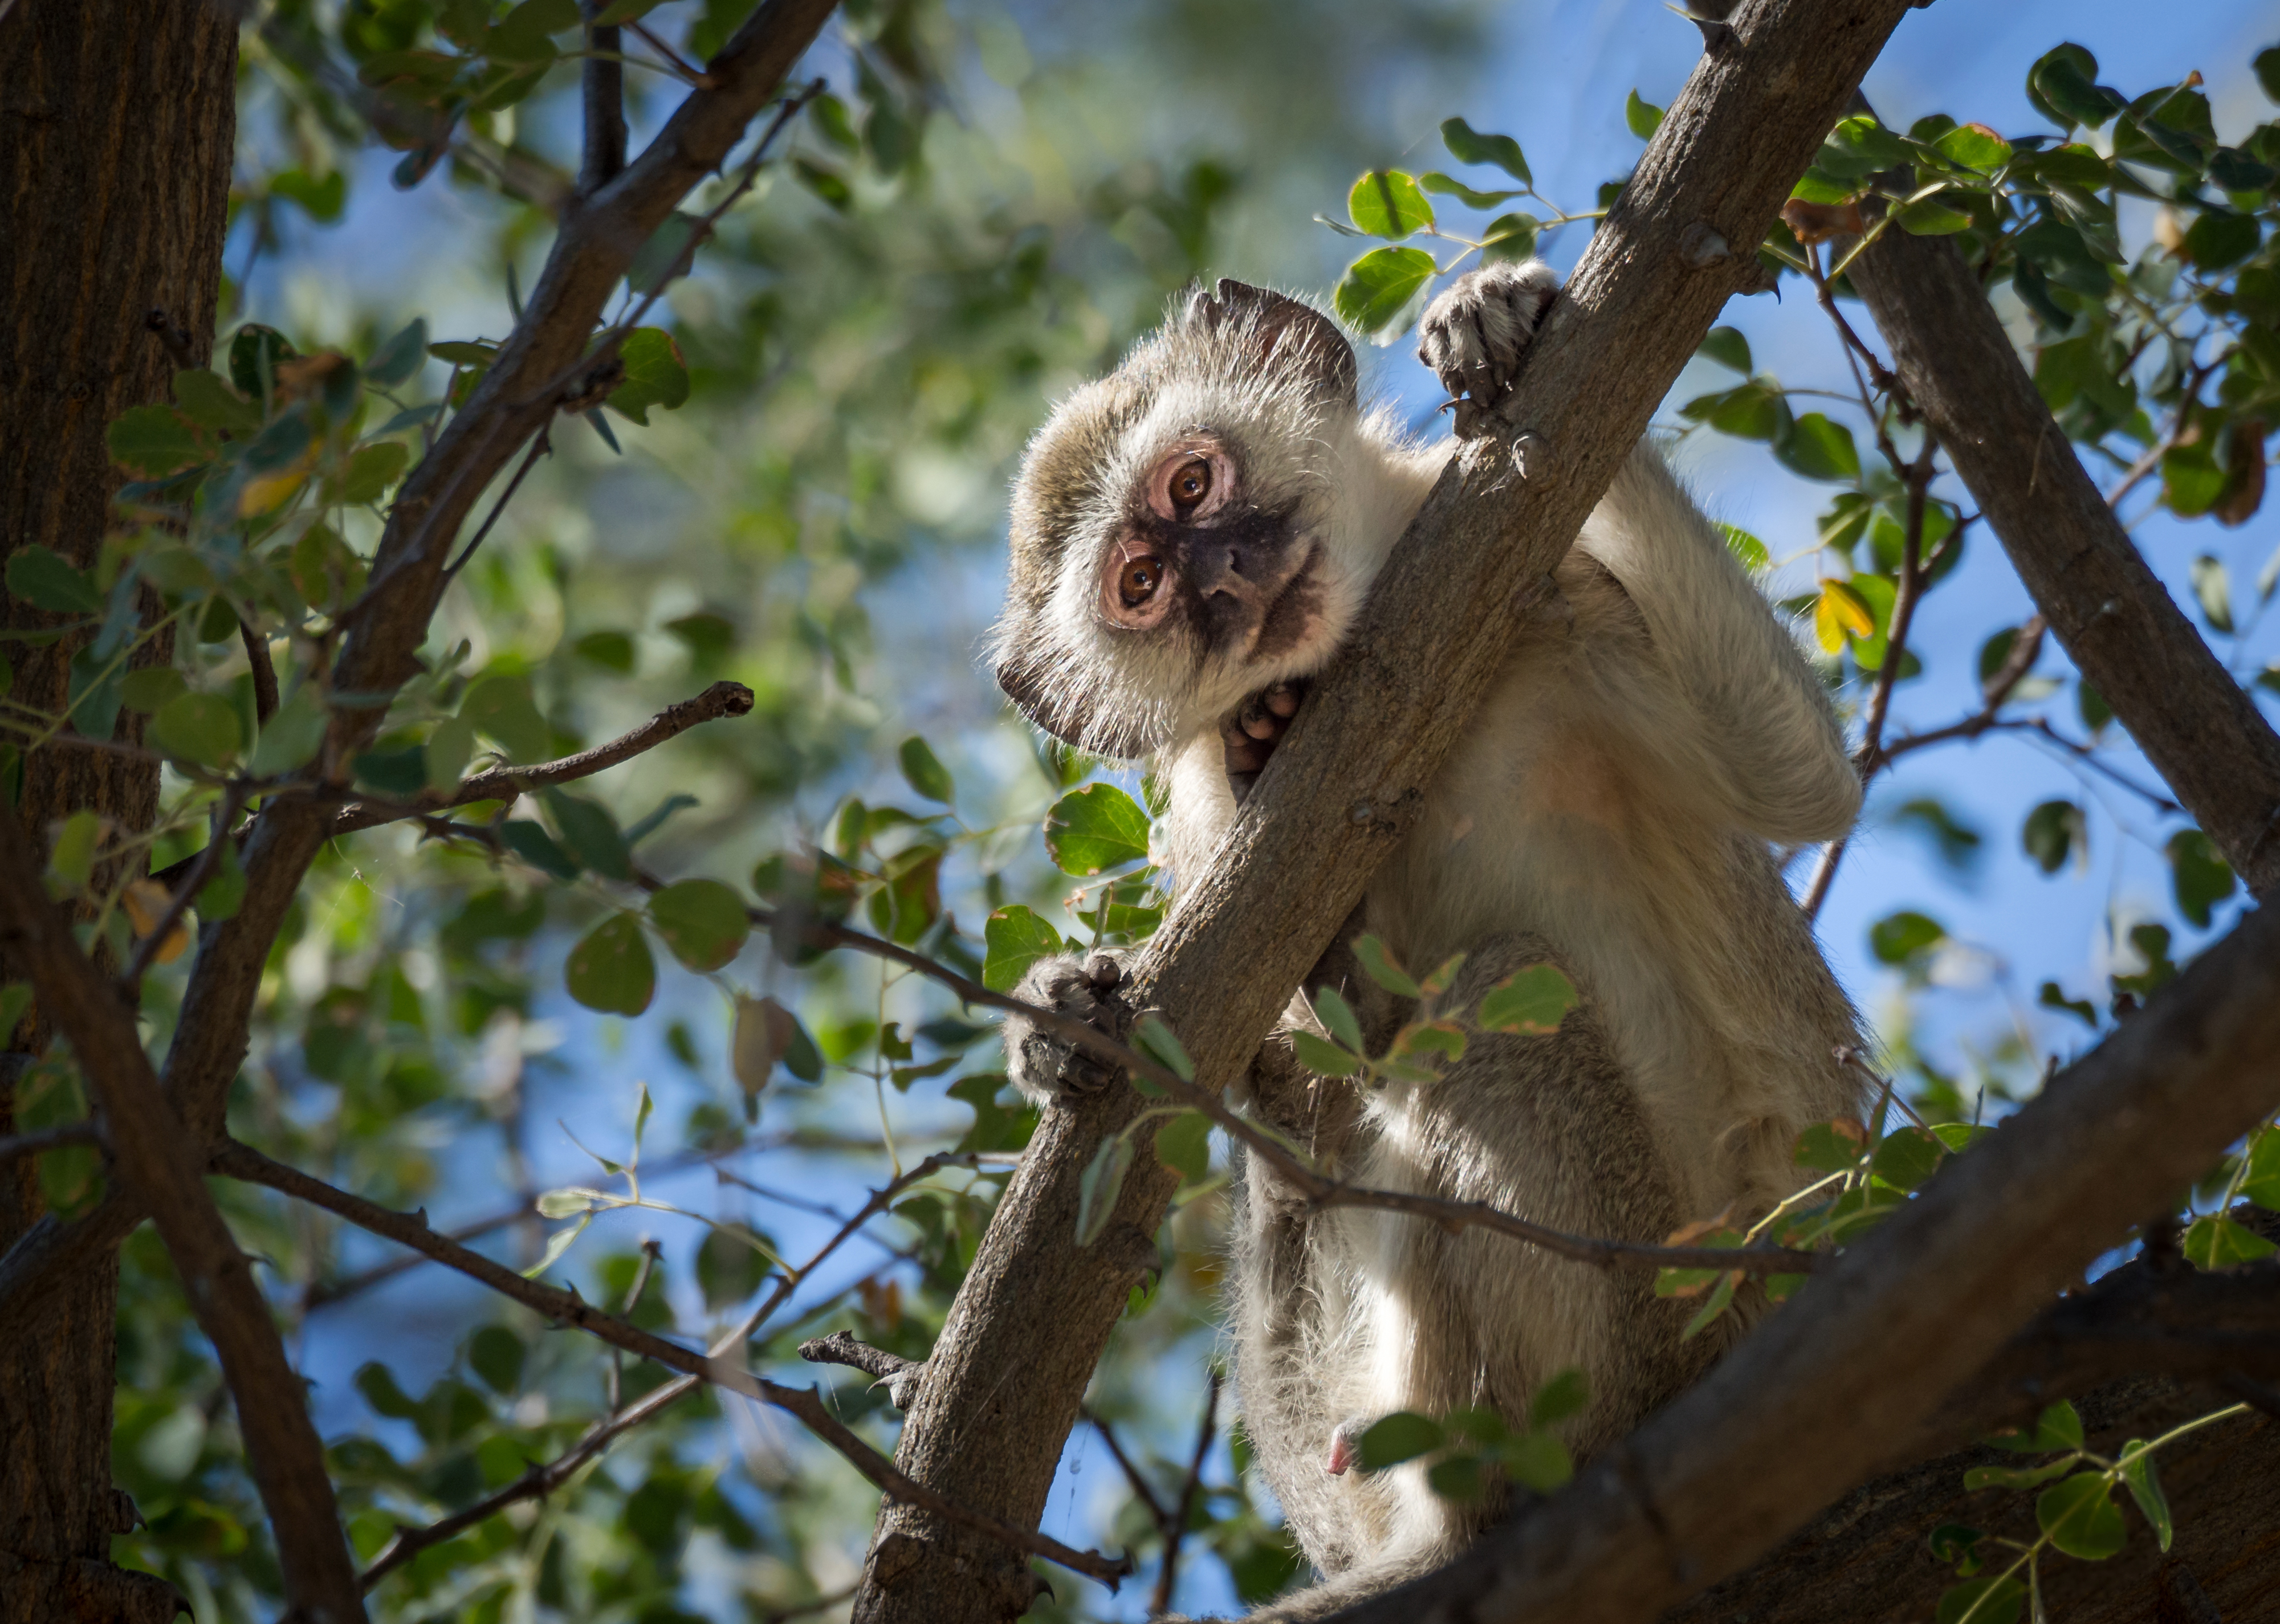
column 1655, row 728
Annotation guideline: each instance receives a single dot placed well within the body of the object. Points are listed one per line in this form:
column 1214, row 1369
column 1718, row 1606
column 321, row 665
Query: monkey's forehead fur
column 1270, row 379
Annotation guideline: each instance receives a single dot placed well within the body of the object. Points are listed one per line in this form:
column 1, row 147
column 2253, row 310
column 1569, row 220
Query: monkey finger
column 1283, row 701
column 1262, row 726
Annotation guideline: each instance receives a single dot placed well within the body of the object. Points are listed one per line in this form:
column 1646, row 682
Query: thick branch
column 1850, row 1376
column 1348, row 782
column 2200, row 727
column 240, row 1161
column 505, row 783
column 159, row 1162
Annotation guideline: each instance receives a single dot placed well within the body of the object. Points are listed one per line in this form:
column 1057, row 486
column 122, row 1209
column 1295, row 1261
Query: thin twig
column 605, row 97
column 722, row 699
column 1167, row 1573
column 695, row 75
column 243, row 1162
column 539, row 447
column 264, row 673
column 1132, row 1475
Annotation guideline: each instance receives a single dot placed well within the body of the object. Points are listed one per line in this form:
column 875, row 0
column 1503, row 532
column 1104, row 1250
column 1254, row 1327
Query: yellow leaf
column 1827, row 631
column 146, row 902
column 267, row 494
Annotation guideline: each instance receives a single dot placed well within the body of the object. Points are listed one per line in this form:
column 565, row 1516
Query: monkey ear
column 1284, row 332
column 1067, row 718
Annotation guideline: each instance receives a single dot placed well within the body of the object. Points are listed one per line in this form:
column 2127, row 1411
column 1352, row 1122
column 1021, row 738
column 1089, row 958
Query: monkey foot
column 1257, row 727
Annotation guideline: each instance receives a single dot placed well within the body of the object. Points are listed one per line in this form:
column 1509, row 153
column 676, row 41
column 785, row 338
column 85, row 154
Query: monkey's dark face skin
column 1198, row 565
column 1173, row 548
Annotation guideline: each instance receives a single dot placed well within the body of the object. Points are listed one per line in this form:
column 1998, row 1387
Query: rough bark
column 2199, row 727
column 1850, row 1377
column 1347, row 782
column 117, row 123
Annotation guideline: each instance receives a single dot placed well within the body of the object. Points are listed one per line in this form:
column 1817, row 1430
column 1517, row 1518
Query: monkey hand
column 1475, row 332
column 1251, row 733
column 1045, row 1065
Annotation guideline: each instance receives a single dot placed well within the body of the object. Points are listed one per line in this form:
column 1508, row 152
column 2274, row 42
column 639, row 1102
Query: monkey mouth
column 1293, row 615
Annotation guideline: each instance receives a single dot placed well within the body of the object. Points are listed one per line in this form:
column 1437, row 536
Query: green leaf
column 2051, row 995
column 703, row 921
column 1644, row 117
column 2216, row 1242
column 1509, row 237
column 625, row 11
column 201, row 727
column 1161, row 1044
column 611, row 970
column 73, row 856
column 292, row 737
column 1379, row 286
column 2080, row 1516
column 1338, row 1017
column 1728, row 348
column 1099, row 1185
column 207, row 400
column 2055, row 830
column 1098, row 828
column 1829, row 1147
column 1320, row 1055
column 40, row 576
column 219, row 898
column 1385, row 203
column 372, row 469
column 447, row 752
column 1747, row 548
column 1379, row 965
column 1982, row 1601
column 2146, row 1488
column 1531, row 1002
column 153, row 441
column 2199, row 873
column 591, row 834
column 924, row 772
column 1183, row 1144
column 1467, row 145
column 2060, row 85
column 1908, row 1157
column 146, row 690
column 611, row 650
column 465, row 352
column 2262, row 1183
column 1447, row 185
column 1899, row 937
column 1716, row 1304
column 530, row 842
column 1396, row 1438
column 1932, row 218
column 501, row 707
column 1974, row 146
column 378, row 1385
column 557, row 1244
column 497, row 1355
column 1568, row 1395
column 2216, row 241
column 525, row 33
column 1819, row 449
column 2192, row 481
column 655, row 375
column 1015, row 938
column 399, row 360
column 2058, row 1428
column 1537, row 1460
column 255, row 351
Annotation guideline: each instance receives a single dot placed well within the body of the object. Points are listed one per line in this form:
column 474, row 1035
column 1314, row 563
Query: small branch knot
column 1703, row 244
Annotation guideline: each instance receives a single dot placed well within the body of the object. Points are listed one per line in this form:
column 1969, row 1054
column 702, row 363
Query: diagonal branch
column 2200, row 727
column 1349, row 780
column 157, row 1161
column 1853, row 1374
column 505, row 783
column 243, row 1162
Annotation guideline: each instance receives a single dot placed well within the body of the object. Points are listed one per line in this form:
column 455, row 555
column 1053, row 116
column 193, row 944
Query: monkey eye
column 1190, row 484
column 1193, row 481
column 1137, row 581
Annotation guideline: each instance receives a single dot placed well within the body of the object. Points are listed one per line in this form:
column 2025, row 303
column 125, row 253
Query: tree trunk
column 117, row 126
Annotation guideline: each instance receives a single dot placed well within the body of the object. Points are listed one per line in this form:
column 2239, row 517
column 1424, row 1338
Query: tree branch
column 1853, row 1375
column 1349, row 780
column 243, row 1162
column 2202, row 730
column 505, row 783
column 158, row 1162
column 604, row 103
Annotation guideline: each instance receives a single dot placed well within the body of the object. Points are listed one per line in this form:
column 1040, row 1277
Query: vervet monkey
column 1193, row 537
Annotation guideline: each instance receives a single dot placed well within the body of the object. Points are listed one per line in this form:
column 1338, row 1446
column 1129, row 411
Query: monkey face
column 1175, row 526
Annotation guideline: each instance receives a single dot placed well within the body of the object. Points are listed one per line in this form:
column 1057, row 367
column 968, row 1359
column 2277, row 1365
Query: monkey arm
column 1751, row 723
